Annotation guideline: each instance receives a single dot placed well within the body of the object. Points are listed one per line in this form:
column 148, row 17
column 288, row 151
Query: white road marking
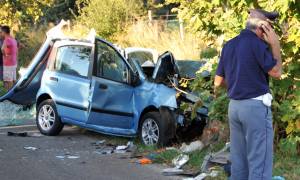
column 13, row 127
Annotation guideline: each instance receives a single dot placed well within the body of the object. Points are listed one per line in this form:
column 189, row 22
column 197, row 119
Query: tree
column 109, row 16
column 18, row 13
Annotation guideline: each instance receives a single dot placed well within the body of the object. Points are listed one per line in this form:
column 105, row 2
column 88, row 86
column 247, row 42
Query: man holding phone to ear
column 245, row 65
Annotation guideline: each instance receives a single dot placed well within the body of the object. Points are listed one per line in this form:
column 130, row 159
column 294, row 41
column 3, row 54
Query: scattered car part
column 180, row 160
column 193, row 146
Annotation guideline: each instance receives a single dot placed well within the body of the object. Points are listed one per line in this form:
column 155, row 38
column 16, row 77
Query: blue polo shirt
column 244, row 63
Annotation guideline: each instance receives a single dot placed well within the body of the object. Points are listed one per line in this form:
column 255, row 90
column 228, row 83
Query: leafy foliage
column 221, row 20
column 18, row 13
column 109, row 16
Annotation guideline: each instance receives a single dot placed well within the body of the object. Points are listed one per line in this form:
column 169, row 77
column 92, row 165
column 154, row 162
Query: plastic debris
column 62, row 157
column 17, row 134
column 180, row 160
column 35, row 135
column 204, row 175
column 97, row 143
column 171, row 148
column 73, row 157
column 221, row 157
column 193, row 146
column 172, row 171
column 30, row 148
column 278, row 178
column 144, row 161
column 121, row 147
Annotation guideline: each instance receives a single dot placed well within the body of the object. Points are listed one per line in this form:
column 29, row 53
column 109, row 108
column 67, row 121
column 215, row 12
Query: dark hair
column 5, row 29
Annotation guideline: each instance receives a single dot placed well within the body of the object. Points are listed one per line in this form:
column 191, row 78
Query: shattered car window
column 110, row 64
column 73, row 60
column 189, row 68
column 141, row 56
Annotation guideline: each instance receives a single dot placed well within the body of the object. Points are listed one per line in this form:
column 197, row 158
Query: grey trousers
column 251, row 140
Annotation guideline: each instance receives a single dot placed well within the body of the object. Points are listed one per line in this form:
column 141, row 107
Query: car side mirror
column 135, row 79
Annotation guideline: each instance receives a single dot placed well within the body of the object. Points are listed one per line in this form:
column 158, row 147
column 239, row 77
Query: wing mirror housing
column 135, row 79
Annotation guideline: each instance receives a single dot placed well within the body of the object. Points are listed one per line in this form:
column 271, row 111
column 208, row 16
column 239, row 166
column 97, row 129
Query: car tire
column 152, row 125
column 47, row 119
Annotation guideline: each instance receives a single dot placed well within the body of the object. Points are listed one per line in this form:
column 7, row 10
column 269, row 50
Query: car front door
column 112, row 96
column 69, row 83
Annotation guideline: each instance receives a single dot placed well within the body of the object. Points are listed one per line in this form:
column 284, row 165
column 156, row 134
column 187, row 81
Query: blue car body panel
column 119, row 108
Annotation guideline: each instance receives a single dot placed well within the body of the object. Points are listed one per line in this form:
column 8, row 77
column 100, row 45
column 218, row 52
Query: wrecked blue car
column 88, row 83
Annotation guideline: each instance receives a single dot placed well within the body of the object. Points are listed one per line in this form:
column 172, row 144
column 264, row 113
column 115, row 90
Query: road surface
column 50, row 160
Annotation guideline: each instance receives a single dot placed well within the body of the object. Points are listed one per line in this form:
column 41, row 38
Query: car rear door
column 68, row 81
column 112, row 96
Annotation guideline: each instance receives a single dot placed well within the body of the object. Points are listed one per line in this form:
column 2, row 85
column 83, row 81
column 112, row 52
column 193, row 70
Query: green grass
column 2, row 90
column 286, row 161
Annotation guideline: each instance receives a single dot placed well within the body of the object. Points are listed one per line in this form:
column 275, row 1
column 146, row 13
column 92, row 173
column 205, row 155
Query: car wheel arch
column 42, row 98
column 146, row 110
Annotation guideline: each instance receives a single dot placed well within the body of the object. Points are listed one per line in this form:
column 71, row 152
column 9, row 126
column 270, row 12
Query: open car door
column 165, row 68
column 25, row 90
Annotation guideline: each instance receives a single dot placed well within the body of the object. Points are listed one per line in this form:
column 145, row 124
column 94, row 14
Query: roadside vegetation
column 126, row 23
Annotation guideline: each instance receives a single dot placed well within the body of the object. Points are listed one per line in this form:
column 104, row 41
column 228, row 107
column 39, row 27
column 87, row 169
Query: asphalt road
column 17, row 163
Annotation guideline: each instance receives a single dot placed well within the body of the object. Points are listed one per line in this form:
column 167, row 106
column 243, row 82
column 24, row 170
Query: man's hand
column 219, row 82
column 273, row 40
column 270, row 35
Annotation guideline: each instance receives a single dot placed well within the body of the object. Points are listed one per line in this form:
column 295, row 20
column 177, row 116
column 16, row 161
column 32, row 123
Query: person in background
column 10, row 54
column 245, row 65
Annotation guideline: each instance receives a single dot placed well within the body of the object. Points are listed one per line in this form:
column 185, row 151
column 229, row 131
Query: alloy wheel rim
column 46, row 117
column 150, row 132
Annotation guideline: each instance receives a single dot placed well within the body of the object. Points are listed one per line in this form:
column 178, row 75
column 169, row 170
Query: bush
column 109, row 16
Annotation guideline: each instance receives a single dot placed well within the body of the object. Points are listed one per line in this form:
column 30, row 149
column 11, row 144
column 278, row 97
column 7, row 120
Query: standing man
column 10, row 54
column 245, row 65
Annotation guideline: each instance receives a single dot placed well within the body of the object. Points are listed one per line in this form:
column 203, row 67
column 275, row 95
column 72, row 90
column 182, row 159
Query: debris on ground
column 172, row 171
column 204, row 175
column 17, row 134
column 180, row 160
column 171, row 149
column 106, row 148
column 278, row 178
column 62, row 157
column 1, row 150
column 73, row 157
column 24, row 134
column 193, row 146
column 219, row 158
column 30, row 148
column 35, row 135
column 144, row 161
column 123, row 147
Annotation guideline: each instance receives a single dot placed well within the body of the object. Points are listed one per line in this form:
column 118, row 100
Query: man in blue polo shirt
column 244, row 68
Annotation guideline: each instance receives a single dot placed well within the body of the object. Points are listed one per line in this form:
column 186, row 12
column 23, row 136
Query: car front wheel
column 47, row 119
column 152, row 129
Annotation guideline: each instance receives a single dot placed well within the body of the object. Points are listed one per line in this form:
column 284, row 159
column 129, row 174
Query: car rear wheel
column 152, row 129
column 47, row 119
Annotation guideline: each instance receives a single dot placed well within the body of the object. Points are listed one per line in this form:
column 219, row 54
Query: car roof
column 64, row 42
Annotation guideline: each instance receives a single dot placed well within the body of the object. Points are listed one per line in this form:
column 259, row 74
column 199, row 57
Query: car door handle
column 54, row 79
column 102, row 86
